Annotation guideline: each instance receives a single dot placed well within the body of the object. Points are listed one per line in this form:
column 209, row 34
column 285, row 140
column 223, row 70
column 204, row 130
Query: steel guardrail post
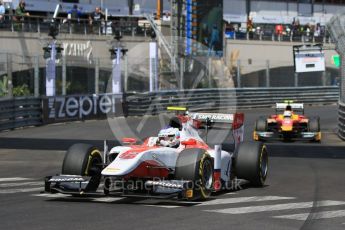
column 9, row 75
column 238, row 74
column 296, row 79
column 182, row 70
column 97, row 64
column 64, row 75
column 267, row 73
column 36, row 76
column 126, row 73
column 38, row 25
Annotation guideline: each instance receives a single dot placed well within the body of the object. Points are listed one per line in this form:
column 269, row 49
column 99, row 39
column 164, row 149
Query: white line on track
column 314, row 216
column 107, row 199
column 19, row 190
column 244, row 199
column 217, row 201
column 50, row 195
column 276, row 207
column 8, row 185
column 163, row 206
column 229, row 193
column 170, row 203
column 14, row 179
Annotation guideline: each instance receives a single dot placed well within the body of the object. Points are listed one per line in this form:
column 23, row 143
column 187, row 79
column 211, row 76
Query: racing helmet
column 287, row 114
column 169, row 136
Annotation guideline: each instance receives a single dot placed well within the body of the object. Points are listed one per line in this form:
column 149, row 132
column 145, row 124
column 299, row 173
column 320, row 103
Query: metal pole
column 153, row 66
column 126, row 73
column 97, row 76
column 36, row 76
column 174, row 33
column 85, row 28
column 38, row 26
column 182, row 73
column 342, row 77
column 64, row 75
column 323, row 78
column 238, row 73
column 51, row 71
column 296, row 79
column 116, row 73
column 267, row 73
column 159, row 2
column 9, row 75
column 209, row 73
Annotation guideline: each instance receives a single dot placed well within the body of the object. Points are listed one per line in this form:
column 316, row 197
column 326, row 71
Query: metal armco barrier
column 20, row 112
column 341, row 124
column 224, row 99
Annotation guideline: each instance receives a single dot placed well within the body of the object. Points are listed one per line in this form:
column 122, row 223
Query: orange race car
column 289, row 123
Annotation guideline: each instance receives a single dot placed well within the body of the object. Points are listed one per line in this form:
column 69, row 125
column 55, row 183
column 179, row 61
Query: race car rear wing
column 296, row 107
column 236, row 120
column 178, row 110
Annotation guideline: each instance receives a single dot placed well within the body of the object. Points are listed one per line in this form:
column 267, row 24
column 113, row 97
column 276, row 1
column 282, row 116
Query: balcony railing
column 134, row 26
column 286, row 37
column 38, row 24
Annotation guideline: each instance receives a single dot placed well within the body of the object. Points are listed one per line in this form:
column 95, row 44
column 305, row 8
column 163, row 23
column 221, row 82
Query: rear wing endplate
column 236, row 119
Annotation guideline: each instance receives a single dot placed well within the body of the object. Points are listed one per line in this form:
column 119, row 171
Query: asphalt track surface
column 305, row 188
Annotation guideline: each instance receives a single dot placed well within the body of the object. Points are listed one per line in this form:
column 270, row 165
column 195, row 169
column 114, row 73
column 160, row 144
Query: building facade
column 235, row 11
column 281, row 11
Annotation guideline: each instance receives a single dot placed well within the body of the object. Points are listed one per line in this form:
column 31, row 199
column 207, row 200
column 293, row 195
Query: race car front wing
column 79, row 186
column 308, row 136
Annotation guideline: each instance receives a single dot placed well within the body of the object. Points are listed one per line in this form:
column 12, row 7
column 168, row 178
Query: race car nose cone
column 287, row 125
column 287, row 128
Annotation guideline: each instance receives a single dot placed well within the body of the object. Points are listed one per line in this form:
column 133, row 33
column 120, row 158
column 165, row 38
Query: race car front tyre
column 196, row 165
column 251, row 163
column 314, row 124
column 84, row 160
column 261, row 125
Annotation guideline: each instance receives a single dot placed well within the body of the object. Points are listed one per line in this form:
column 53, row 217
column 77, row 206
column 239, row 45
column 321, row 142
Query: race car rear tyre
column 84, row 160
column 196, row 165
column 251, row 163
column 261, row 124
column 175, row 123
column 314, row 124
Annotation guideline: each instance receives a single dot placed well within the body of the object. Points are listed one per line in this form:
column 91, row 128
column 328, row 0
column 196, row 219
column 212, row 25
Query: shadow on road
column 299, row 150
column 48, row 144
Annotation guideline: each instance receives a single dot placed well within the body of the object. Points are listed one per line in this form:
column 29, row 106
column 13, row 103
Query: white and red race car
column 191, row 170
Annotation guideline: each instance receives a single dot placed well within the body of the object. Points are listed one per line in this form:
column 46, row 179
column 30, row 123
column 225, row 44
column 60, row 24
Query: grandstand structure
column 235, row 11
column 281, row 11
column 112, row 7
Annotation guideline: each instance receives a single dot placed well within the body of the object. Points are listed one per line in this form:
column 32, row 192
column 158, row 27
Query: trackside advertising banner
column 83, row 107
